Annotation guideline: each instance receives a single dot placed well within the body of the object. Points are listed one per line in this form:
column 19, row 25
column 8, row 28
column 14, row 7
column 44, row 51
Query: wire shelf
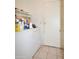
column 21, row 13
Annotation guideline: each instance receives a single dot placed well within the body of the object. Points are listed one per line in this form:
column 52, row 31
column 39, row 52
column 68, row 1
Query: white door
column 52, row 23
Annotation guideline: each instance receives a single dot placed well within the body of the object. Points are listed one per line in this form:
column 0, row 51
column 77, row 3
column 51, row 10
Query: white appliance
column 27, row 43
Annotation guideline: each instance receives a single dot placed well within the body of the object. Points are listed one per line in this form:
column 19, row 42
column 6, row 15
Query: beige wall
column 62, row 24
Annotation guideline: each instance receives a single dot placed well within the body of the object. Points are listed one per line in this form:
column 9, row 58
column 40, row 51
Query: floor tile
column 51, row 51
column 60, row 52
column 42, row 53
column 60, row 57
column 46, row 52
column 51, row 57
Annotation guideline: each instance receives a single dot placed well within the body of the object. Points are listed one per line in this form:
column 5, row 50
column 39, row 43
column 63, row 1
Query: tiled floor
column 46, row 52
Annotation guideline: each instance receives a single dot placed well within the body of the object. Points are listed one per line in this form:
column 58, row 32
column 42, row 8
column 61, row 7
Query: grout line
column 56, row 54
column 47, row 52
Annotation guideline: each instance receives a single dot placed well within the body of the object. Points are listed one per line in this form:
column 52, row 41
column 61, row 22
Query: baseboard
column 52, row 46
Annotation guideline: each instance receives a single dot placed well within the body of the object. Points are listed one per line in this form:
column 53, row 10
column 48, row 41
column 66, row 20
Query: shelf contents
column 22, row 20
